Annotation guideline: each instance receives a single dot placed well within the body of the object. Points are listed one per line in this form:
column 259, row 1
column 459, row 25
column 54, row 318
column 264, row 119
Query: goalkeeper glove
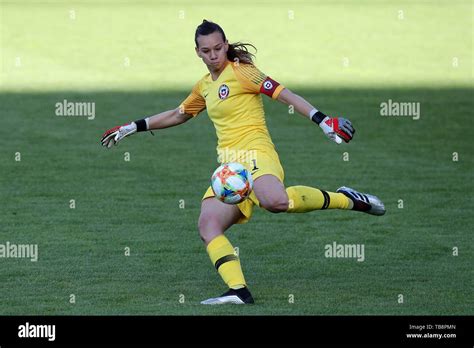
column 114, row 135
column 335, row 128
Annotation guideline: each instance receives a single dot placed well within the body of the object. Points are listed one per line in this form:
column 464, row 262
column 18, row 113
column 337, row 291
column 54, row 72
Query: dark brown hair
column 238, row 51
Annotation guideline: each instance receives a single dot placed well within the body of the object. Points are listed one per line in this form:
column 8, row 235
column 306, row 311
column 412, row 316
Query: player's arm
column 189, row 108
column 254, row 81
column 167, row 119
column 164, row 119
column 334, row 127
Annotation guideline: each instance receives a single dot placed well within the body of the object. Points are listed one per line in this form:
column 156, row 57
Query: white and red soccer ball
column 231, row 183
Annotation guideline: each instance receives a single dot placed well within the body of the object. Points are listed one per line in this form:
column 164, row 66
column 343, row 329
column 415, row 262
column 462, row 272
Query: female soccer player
column 231, row 93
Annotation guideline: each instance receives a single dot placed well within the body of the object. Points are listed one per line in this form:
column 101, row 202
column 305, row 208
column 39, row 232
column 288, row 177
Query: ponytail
column 238, row 52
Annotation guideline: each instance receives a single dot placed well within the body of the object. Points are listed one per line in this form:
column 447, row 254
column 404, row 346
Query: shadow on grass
column 394, row 157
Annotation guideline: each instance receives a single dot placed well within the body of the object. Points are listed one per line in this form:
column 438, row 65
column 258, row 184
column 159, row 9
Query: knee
column 208, row 227
column 277, row 204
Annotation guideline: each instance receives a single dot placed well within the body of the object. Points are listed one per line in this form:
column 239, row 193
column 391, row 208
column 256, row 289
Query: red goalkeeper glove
column 337, row 128
column 114, row 135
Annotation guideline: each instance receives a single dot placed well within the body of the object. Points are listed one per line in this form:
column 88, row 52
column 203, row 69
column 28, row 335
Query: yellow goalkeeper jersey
column 234, row 105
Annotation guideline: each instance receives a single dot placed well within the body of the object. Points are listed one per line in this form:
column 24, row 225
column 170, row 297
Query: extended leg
column 303, row 199
column 273, row 197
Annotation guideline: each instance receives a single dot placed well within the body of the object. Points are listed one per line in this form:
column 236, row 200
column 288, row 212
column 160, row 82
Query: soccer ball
column 231, row 183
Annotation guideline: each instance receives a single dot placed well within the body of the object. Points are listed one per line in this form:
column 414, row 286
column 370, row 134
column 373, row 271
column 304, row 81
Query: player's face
column 213, row 50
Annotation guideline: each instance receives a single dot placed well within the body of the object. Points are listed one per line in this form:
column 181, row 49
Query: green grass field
column 134, row 60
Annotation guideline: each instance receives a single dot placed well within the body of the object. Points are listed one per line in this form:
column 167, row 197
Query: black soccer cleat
column 233, row 296
column 363, row 202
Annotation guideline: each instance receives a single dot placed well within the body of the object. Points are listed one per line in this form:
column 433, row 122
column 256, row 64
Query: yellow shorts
column 259, row 162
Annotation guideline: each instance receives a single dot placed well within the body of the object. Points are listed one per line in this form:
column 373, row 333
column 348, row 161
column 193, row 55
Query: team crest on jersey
column 223, row 91
column 268, row 85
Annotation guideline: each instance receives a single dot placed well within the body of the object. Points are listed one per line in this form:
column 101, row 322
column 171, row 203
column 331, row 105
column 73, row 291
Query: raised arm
column 164, row 119
column 334, row 127
column 167, row 119
column 300, row 104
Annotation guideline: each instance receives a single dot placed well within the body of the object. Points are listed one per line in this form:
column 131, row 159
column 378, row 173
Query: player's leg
column 216, row 217
column 273, row 197
column 268, row 187
column 268, row 177
column 271, row 193
column 303, row 199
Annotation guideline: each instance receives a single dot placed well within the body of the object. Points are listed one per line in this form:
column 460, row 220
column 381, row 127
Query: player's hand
column 114, row 135
column 337, row 129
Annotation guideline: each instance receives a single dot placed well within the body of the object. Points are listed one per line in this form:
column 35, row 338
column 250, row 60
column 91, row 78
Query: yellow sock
column 226, row 262
column 303, row 199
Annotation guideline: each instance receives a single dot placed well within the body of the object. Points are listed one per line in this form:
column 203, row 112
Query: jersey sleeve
column 194, row 103
column 255, row 81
